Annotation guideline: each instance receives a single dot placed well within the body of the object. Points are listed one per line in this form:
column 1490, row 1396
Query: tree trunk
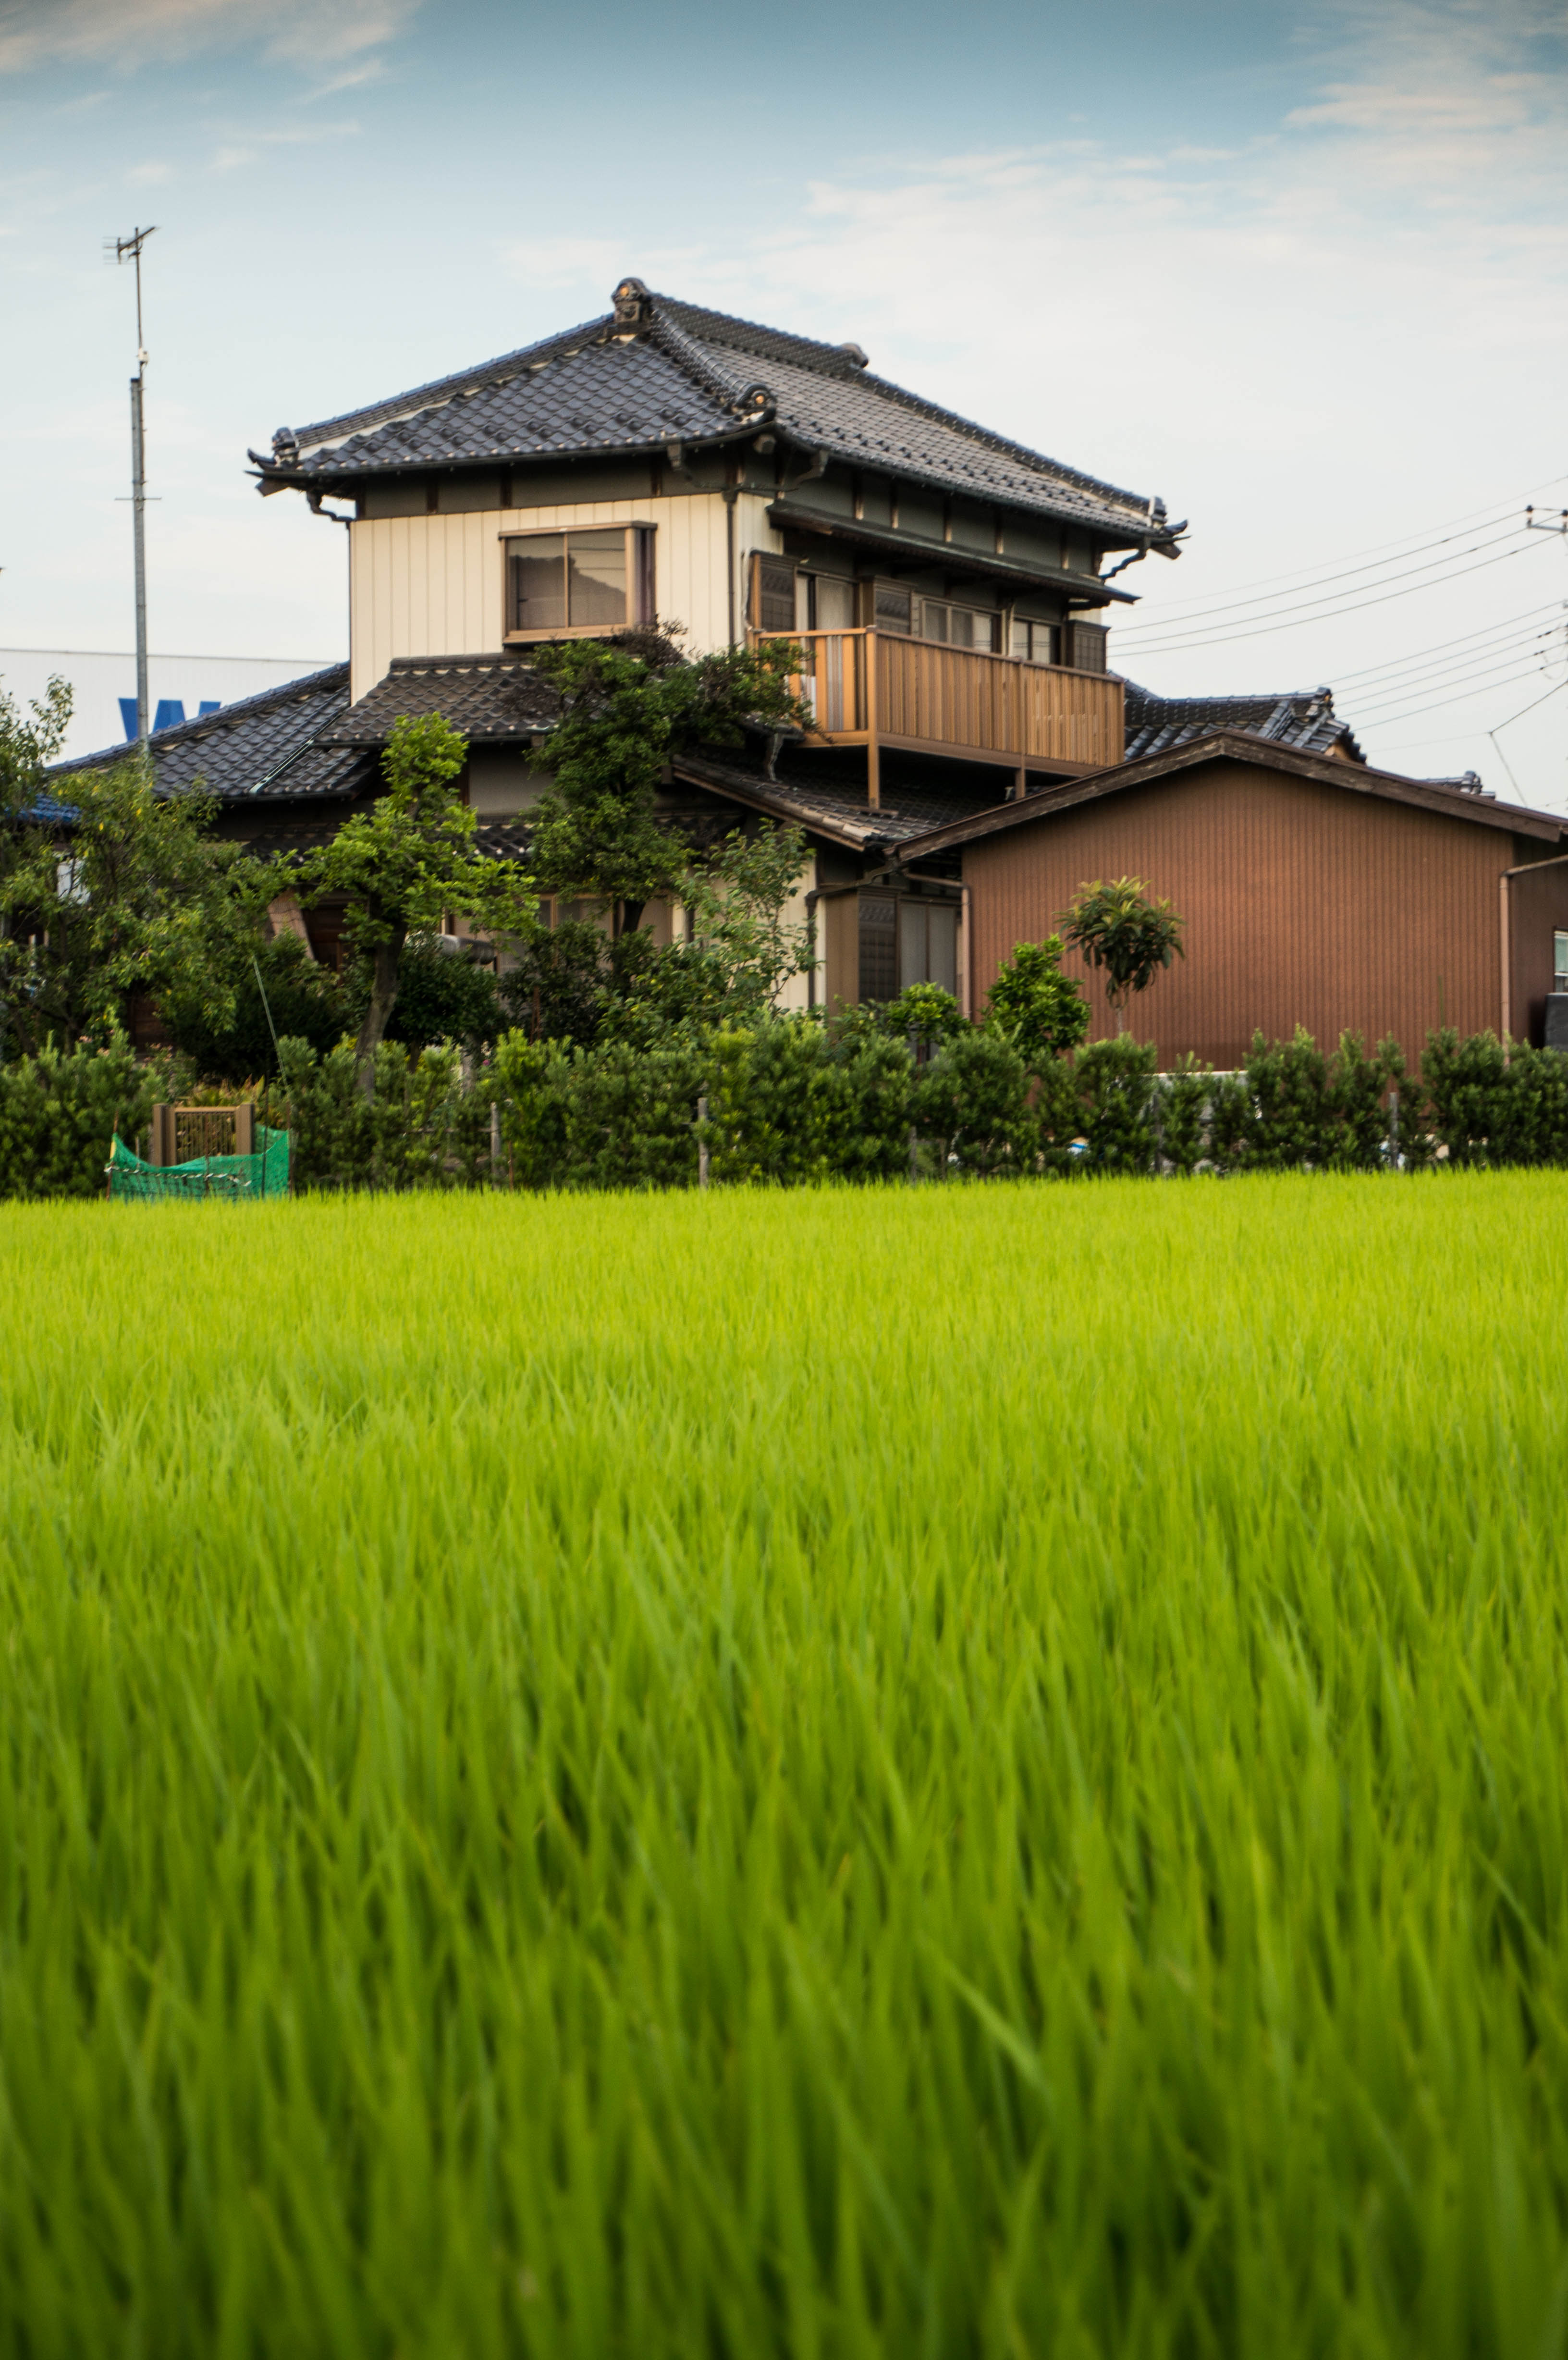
column 378, row 1015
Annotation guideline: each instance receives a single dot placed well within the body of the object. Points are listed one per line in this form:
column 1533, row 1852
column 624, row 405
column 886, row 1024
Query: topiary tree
column 1119, row 928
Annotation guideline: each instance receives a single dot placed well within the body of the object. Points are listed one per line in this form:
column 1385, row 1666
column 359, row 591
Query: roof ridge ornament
column 633, row 309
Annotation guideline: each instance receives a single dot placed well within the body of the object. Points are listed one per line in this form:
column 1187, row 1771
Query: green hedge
column 793, row 1101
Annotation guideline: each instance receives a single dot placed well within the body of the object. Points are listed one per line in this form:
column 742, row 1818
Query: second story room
column 669, row 462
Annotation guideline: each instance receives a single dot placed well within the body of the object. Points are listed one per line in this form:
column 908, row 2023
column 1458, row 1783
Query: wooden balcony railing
column 873, row 689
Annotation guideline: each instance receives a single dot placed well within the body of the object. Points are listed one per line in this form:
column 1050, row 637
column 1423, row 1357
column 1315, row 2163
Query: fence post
column 702, row 1143
column 494, row 1144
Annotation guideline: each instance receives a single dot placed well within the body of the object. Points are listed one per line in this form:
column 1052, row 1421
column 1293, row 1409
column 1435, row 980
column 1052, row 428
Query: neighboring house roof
column 805, row 793
column 1304, row 717
column 655, row 370
column 487, row 697
column 1437, row 795
column 265, row 745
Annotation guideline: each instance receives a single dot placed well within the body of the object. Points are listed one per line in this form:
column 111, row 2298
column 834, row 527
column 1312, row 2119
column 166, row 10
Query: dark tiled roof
column 484, row 697
column 1304, row 717
column 690, row 375
column 815, row 793
column 264, row 745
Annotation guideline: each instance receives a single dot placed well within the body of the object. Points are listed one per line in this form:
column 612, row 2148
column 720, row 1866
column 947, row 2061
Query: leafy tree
column 122, row 892
column 628, row 706
column 577, row 984
column 1119, row 927
column 736, row 897
column 439, row 997
column 404, row 863
column 1040, row 1010
column 563, row 980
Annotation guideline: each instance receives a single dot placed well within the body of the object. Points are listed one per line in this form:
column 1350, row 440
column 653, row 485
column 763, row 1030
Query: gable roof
column 1437, row 795
column 270, row 743
column 1304, row 717
column 655, row 370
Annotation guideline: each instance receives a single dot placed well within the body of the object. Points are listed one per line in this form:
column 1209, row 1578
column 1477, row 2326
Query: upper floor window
column 567, row 582
column 1038, row 643
column 960, row 627
column 1559, row 962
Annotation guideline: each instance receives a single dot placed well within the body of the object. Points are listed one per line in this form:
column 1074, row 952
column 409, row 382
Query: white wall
column 432, row 586
column 101, row 679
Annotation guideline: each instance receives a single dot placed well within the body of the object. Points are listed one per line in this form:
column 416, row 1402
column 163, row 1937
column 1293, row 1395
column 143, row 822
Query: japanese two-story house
column 670, row 464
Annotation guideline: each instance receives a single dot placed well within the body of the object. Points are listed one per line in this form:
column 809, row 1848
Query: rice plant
column 958, row 1772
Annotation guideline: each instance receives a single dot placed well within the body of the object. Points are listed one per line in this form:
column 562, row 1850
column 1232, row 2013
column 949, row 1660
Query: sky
column 1300, row 271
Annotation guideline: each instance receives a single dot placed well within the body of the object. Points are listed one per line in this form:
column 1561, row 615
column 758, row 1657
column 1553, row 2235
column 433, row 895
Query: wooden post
column 873, row 751
column 244, row 1129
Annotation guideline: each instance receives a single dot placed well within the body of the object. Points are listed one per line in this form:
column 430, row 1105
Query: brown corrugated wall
column 1305, row 904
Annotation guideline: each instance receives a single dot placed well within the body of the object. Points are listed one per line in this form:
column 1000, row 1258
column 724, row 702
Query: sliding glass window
column 578, row 581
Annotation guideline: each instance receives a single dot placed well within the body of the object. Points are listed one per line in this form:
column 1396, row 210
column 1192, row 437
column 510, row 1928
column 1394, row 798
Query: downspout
column 1503, row 932
column 731, row 493
column 966, row 956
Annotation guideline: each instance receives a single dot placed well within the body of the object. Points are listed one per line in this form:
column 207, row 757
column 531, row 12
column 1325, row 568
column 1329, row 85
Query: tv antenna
column 119, row 250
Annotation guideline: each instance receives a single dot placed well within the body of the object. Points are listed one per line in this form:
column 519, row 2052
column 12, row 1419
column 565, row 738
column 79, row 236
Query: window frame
column 641, row 582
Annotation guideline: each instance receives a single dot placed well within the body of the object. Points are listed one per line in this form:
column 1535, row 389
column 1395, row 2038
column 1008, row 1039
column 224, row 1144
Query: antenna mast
column 129, row 249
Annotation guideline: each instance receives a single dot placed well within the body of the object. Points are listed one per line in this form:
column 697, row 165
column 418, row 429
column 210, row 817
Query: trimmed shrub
column 60, row 1110
column 973, row 1100
column 1116, row 1092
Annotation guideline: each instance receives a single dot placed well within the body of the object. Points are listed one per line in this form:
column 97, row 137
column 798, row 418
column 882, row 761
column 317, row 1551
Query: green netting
column 265, row 1174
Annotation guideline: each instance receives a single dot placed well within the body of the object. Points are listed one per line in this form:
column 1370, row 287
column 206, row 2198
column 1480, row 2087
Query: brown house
column 1316, row 891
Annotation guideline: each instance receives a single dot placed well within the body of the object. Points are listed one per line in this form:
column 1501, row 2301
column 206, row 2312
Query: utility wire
column 1482, row 660
column 1306, row 577
column 1443, row 650
column 1463, row 696
column 1295, row 622
column 1303, row 610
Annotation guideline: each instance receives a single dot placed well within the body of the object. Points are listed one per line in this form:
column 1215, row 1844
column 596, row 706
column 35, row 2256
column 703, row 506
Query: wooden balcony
column 873, row 689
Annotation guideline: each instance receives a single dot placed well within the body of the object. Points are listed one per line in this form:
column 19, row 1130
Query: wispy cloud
column 248, row 147
column 310, row 33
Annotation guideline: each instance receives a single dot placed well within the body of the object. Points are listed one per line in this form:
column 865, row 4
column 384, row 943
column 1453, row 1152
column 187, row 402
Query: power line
column 1439, row 704
column 1331, row 603
column 1441, row 649
column 1306, row 577
column 1294, row 622
column 1481, row 666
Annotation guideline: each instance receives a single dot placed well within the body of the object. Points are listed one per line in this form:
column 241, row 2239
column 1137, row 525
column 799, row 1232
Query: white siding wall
column 432, row 586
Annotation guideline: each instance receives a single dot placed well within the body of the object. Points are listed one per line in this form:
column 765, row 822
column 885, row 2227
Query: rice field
column 925, row 1774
